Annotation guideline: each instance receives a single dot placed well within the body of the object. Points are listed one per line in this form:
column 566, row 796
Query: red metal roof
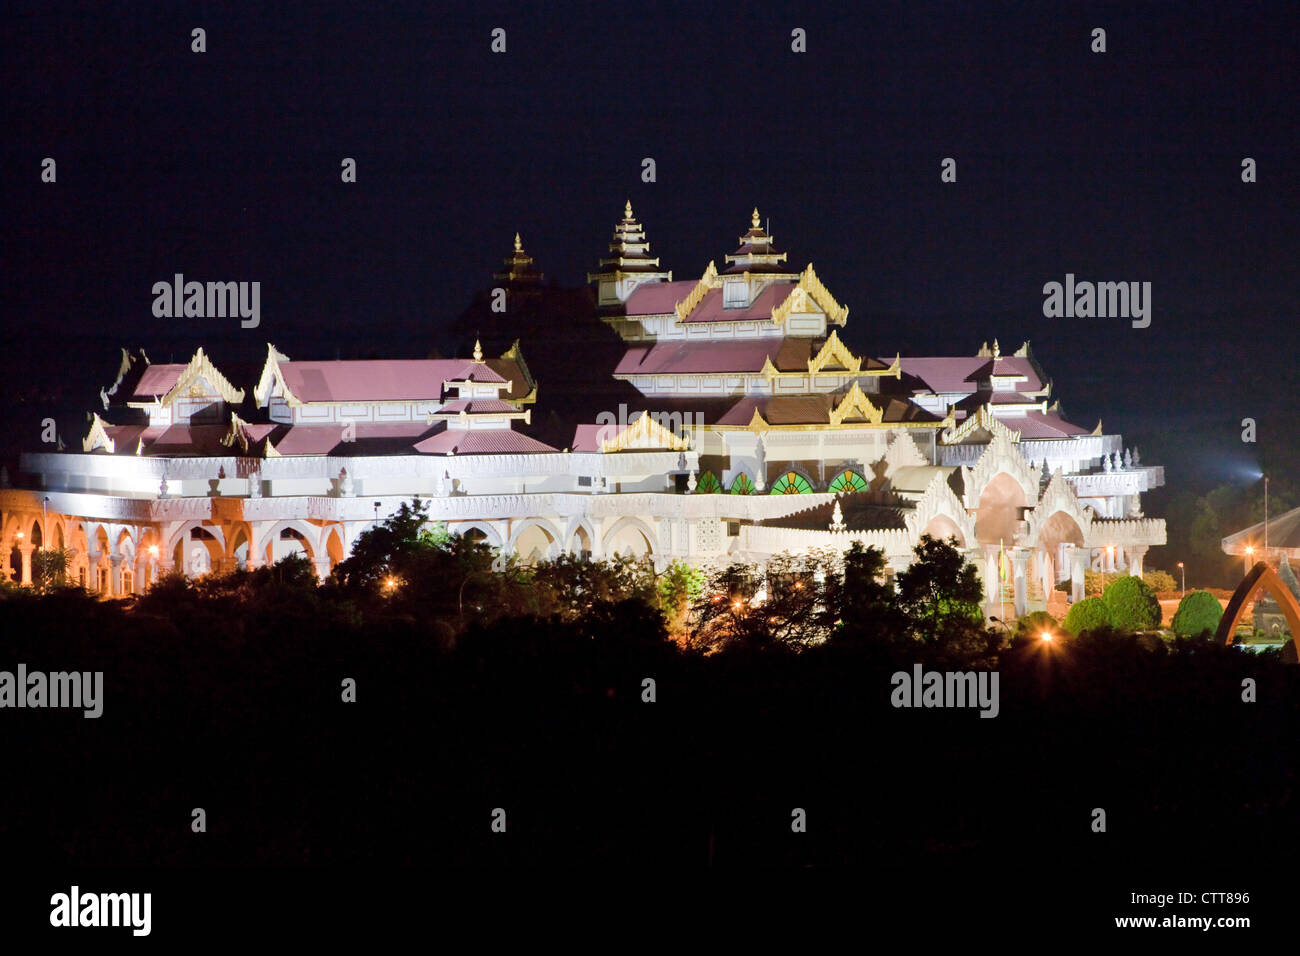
column 710, row 308
column 962, row 374
column 658, row 298
column 157, row 380
column 484, row 441
column 380, row 380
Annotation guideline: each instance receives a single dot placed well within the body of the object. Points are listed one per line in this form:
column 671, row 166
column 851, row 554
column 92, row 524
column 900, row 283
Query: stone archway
column 1260, row 578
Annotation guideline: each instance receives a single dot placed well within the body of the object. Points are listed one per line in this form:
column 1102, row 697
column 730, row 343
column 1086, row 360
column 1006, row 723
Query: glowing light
column 798, row 585
column 1250, row 550
column 390, row 583
column 19, row 536
column 153, row 550
column 1046, row 635
column 735, row 606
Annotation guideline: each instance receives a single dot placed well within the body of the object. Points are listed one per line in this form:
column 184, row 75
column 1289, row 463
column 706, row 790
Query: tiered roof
column 519, row 267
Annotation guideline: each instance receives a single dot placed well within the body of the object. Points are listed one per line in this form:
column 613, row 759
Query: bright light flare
column 1047, row 636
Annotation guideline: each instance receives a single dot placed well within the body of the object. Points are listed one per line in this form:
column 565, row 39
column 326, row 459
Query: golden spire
column 519, row 245
column 627, row 210
column 754, row 218
column 997, row 352
column 478, row 351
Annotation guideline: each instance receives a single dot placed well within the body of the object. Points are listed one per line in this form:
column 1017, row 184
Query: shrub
column 1198, row 615
column 1089, row 614
column 1034, row 623
column 1096, row 582
column 1160, row 581
column 1133, row 606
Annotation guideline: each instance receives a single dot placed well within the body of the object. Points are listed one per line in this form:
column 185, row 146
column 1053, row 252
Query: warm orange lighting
column 1046, row 635
column 1180, row 564
column 390, row 583
column 798, row 585
column 153, row 550
column 771, row 620
column 1250, row 550
column 19, row 536
column 735, row 606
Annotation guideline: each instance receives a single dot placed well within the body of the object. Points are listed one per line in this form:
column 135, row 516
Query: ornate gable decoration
column 271, row 376
column 516, row 354
column 756, row 422
column 984, row 419
column 1001, row 455
column 237, row 433
column 708, row 282
column 810, row 287
column 834, row 351
column 903, row 453
column 1059, row 495
column 644, row 433
column 199, row 370
column 939, row 499
column 855, row 403
column 97, row 437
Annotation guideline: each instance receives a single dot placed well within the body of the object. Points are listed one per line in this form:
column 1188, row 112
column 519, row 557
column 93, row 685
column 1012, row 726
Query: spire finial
column 519, row 245
column 753, row 219
column 996, row 350
column 627, row 210
column 478, row 351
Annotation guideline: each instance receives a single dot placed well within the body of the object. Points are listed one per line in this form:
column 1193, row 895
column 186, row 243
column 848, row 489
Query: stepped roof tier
column 757, row 254
column 519, row 267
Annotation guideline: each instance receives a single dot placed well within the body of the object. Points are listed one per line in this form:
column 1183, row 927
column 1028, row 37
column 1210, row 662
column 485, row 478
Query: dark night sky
column 225, row 165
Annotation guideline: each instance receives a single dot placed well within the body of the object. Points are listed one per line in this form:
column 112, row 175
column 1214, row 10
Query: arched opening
column 629, row 541
column 534, row 544
column 998, row 516
column 1261, row 579
column 792, row 483
column 848, row 480
column 199, row 553
column 582, row 543
column 38, row 536
column 290, row 541
column 58, row 537
column 240, row 549
column 941, row 527
column 334, row 547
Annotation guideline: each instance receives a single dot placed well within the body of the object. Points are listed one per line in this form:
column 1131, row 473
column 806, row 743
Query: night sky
column 225, row 165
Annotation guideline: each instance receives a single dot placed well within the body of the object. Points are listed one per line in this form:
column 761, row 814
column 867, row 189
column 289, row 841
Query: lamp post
column 1183, row 571
column 1265, row 517
column 1250, row 551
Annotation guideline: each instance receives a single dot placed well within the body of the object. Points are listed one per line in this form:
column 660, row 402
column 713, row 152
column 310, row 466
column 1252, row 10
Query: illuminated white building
column 765, row 434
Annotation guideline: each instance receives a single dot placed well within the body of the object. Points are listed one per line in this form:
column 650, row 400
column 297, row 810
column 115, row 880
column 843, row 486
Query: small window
column 733, row 529
column 584, row 481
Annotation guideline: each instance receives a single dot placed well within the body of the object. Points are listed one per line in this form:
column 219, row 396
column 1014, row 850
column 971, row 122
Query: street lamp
column 1183, row 571
column 1249, row 552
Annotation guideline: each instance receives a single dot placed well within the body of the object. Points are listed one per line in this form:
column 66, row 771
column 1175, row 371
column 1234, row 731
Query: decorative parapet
column 1126, row 531
column 764, row 539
